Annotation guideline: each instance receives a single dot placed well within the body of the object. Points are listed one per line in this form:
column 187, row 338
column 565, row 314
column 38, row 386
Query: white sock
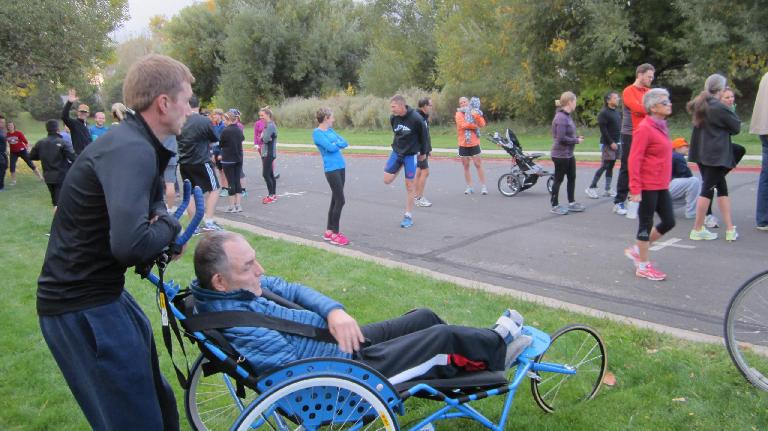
column 643, row 265
column 408, row 214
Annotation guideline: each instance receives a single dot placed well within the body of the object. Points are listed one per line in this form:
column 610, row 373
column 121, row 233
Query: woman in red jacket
column 650, row 170
column 19, row 148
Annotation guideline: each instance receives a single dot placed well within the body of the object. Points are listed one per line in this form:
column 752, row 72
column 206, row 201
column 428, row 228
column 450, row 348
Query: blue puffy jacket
column 265, row 348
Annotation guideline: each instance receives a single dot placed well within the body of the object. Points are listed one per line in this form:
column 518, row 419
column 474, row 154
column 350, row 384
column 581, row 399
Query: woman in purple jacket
column 564, row 138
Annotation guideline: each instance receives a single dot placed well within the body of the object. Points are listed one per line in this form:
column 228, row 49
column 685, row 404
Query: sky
column 140, row 12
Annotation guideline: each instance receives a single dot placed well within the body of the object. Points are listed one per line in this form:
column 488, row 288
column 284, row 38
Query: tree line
column 517, row 55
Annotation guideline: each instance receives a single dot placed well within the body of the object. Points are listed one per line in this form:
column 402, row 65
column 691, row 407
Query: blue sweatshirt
column 329, row 143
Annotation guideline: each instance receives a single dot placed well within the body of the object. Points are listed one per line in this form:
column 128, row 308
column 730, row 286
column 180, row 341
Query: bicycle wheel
column 321, row 402
column 746, row 330
column 550, row 183
column 509, row 185
column 578, row 347
column 210, row 402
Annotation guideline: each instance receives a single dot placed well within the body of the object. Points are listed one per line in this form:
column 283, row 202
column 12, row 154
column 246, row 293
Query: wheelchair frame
column 362, row 394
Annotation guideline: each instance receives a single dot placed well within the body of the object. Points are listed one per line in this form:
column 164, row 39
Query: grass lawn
column 661, row 382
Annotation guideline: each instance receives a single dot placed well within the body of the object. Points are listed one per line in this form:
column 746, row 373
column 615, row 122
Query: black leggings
column 233, row 172
column 607, row 167
column 336, row 181
column 660, row 202
column 564, row 168
column 622, row 184
column 269, row 175
column 24, row 156
column 713, row 177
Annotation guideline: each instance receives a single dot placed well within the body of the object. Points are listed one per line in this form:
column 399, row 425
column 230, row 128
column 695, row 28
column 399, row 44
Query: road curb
column 486, row 287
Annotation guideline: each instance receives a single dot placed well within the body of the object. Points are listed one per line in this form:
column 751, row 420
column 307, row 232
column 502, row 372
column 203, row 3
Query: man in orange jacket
column 634, row 112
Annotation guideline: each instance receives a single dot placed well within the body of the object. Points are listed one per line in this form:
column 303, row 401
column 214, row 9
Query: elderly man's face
column 244, row 270
column 100, row 118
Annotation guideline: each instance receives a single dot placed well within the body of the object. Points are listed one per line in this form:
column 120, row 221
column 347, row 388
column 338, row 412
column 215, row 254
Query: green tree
column 56, row 40
column 402, row 49
column 195, row 37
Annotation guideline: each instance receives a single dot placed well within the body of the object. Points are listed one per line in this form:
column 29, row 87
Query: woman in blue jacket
column 330, row 144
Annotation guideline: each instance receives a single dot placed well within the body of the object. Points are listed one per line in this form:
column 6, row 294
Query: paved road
column 515, row 242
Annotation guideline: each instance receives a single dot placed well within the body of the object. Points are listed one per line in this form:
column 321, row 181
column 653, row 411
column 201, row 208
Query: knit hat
column 679, row 142
column 52, row 126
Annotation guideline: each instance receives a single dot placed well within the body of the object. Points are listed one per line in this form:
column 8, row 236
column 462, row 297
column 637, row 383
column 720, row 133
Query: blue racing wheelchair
column 222, row 392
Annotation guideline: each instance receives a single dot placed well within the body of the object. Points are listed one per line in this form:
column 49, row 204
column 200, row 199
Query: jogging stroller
column 525, row 171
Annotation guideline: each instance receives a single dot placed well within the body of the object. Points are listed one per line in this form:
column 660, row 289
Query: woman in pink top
column 650, row 171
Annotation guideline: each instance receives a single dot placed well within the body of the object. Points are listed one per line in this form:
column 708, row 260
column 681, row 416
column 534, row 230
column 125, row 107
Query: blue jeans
column 761, row 216
column 108, row 357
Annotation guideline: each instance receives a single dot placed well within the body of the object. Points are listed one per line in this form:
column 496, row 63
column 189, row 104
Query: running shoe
column 731, row 235
column 631, row 253
column 484, row 190
column 230, row 209
column 559, row 210
column 407, row 222
column 13, row 182
column 339, row 239
column 620, row 209
column 762, row 227
column 650, row 273
column 238, row 209
column 703, row 234
column 468, row 191
column 269, row 199
column 609, row 194
column 711, row 221
column 591, row 192
column 211, row 227
column 224, row 193
column 576, row 207
column 423, row 202
column 327, row 236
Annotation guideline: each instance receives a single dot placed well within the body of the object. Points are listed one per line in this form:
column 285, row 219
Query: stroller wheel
column 509, row 185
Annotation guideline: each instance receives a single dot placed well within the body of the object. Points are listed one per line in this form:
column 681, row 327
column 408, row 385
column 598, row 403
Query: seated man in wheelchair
column 418, row 344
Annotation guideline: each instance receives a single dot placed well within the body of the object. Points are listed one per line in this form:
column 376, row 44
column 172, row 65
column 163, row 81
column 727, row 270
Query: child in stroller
column 525, row 171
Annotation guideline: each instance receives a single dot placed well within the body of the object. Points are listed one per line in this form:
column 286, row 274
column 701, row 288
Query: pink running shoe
column 268, row 200
column 632, row 255
column 339, row 239
column 327, row 236
column 650, row 273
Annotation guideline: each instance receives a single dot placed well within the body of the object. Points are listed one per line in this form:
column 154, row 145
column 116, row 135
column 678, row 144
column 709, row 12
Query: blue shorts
column 396, row 161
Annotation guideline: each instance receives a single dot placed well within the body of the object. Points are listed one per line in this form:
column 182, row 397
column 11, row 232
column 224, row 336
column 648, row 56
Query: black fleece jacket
column 411, row 135
column 81, row 137
column 103, row 222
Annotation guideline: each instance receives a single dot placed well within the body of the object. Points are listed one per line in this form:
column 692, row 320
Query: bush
column 365, row 112
column 44, row 102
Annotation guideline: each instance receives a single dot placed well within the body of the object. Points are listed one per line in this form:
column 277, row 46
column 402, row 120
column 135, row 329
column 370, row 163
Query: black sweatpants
column 607, row 167
column 420, row 345
column 3, row 168
column 336, row 181
column 622, row 184
column 267, row 171
column 233, row 172
column 564, row 168
column 660, row 202
column 23, row 155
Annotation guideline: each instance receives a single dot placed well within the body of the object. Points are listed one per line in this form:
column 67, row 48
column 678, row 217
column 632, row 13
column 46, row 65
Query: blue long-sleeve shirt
column 330, row 143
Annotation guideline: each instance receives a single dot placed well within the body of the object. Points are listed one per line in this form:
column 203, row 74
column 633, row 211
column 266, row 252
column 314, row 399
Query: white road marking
column 672, row 242
column 292, row 194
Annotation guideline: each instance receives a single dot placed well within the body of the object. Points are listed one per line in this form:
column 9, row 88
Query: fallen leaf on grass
column 679, row 400
column 609, row 379
column 652, row 351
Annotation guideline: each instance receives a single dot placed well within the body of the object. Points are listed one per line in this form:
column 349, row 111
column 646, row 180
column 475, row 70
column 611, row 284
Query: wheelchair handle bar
column 186, row 194
column 199, row 212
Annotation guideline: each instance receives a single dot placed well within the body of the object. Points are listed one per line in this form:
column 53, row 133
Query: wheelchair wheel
column 319, row 402
column 578, row 347
column 211, row 402
column 550, row 183
column 509, row 185
column 746, row 330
